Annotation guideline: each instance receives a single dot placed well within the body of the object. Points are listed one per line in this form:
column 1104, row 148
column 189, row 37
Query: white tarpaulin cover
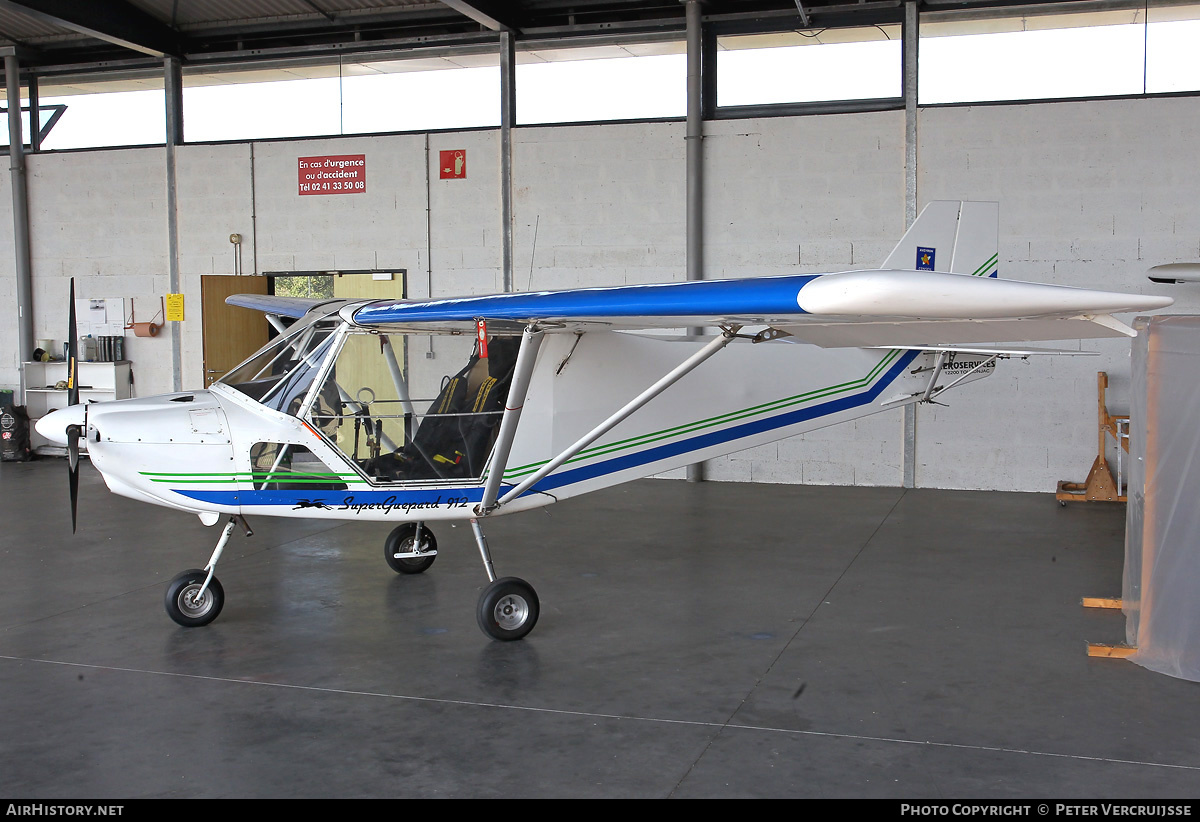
column 1162, row 533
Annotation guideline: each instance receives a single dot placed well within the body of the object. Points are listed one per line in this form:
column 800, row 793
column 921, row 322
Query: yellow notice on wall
column 175, row 308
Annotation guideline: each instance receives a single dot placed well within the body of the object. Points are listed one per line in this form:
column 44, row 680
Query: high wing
column 951, row 296
column 847, row 309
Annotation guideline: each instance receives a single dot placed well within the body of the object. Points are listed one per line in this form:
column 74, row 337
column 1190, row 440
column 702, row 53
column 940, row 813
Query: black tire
column 194, row 614
column 401, row 540
column 508, row 609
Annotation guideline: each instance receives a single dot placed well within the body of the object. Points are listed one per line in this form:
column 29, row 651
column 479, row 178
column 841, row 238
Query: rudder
column 954, row 236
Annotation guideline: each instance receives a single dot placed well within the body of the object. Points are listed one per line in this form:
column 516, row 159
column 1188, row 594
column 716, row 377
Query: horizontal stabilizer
column 295, row 307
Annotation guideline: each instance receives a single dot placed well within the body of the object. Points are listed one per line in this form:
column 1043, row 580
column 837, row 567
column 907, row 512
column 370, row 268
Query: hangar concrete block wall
column 1092, row 194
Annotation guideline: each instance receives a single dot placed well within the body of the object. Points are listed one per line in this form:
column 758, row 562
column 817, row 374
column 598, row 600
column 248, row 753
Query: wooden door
column 231, row 333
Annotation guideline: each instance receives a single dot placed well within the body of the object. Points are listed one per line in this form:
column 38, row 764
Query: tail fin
column 956, row 236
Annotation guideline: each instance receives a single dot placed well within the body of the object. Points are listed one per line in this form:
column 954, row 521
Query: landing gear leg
column 508, row 608
column 195, row 597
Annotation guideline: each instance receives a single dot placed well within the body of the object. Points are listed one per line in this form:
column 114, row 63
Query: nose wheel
column 195, row 597
column 190, row 602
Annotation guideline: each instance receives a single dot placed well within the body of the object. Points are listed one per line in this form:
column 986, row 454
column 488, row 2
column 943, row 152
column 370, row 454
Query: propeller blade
column 72, row 352
column 73, row 434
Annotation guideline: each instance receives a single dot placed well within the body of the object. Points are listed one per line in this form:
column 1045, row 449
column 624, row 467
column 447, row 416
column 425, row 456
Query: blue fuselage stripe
column 318, row 500
column 761, row 296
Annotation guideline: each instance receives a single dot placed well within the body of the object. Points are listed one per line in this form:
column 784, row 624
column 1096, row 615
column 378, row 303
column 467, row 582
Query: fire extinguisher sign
column 453, row 164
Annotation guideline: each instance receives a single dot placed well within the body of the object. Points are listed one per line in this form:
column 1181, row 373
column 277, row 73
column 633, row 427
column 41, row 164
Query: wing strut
column 937, row 372
column 942, row 388
column 620, row 415
column 531, row 341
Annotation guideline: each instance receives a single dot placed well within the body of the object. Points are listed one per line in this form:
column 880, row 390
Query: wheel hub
column 193, row 605
column 410, row 546
column 511, row 612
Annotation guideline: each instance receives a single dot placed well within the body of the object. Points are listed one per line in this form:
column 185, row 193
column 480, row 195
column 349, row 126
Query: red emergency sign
column 333, row 174
column 453, row 164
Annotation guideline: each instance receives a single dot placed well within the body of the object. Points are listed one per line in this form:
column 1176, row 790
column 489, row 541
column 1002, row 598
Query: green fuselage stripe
column 278, row 476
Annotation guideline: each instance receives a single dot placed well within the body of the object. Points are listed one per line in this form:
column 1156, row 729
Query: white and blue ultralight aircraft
column 344, row 415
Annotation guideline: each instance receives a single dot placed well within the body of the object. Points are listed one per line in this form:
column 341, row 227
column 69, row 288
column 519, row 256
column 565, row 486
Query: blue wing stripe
column 760, row 296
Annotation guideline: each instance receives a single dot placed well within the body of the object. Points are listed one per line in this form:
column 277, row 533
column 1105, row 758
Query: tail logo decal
column 925, row 258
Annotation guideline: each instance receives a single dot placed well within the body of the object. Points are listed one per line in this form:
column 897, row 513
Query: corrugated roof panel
column 21, row 28
column 198, row 13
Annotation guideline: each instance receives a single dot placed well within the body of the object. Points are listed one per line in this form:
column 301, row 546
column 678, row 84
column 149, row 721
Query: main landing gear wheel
column 402, row 540
column 508, row 609
column 185, row 607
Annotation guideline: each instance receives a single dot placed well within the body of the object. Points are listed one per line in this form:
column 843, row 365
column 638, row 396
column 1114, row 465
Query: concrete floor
column 708, row 640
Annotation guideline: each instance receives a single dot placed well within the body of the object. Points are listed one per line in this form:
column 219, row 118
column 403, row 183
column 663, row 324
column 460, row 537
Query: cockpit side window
column 281, row 373
column 400, row 420
column 282, row 466
column 298, row 374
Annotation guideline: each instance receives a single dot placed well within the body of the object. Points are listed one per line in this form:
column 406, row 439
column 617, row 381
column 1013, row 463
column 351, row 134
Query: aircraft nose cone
column 53, row 426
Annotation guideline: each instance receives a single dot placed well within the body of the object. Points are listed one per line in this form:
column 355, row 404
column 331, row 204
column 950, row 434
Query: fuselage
column 232, row 450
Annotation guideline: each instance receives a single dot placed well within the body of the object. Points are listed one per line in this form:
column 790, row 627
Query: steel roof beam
column 484, row 13
column 113, row 21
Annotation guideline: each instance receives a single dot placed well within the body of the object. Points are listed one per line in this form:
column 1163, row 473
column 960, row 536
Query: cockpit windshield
column 281, row 373
column 395, row 417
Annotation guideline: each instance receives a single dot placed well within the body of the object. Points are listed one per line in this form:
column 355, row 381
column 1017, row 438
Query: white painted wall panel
column 376, row 228
column 465, row 215
column 213, row 185
column 806, row 195
column 100, row 217
column 606, row 202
